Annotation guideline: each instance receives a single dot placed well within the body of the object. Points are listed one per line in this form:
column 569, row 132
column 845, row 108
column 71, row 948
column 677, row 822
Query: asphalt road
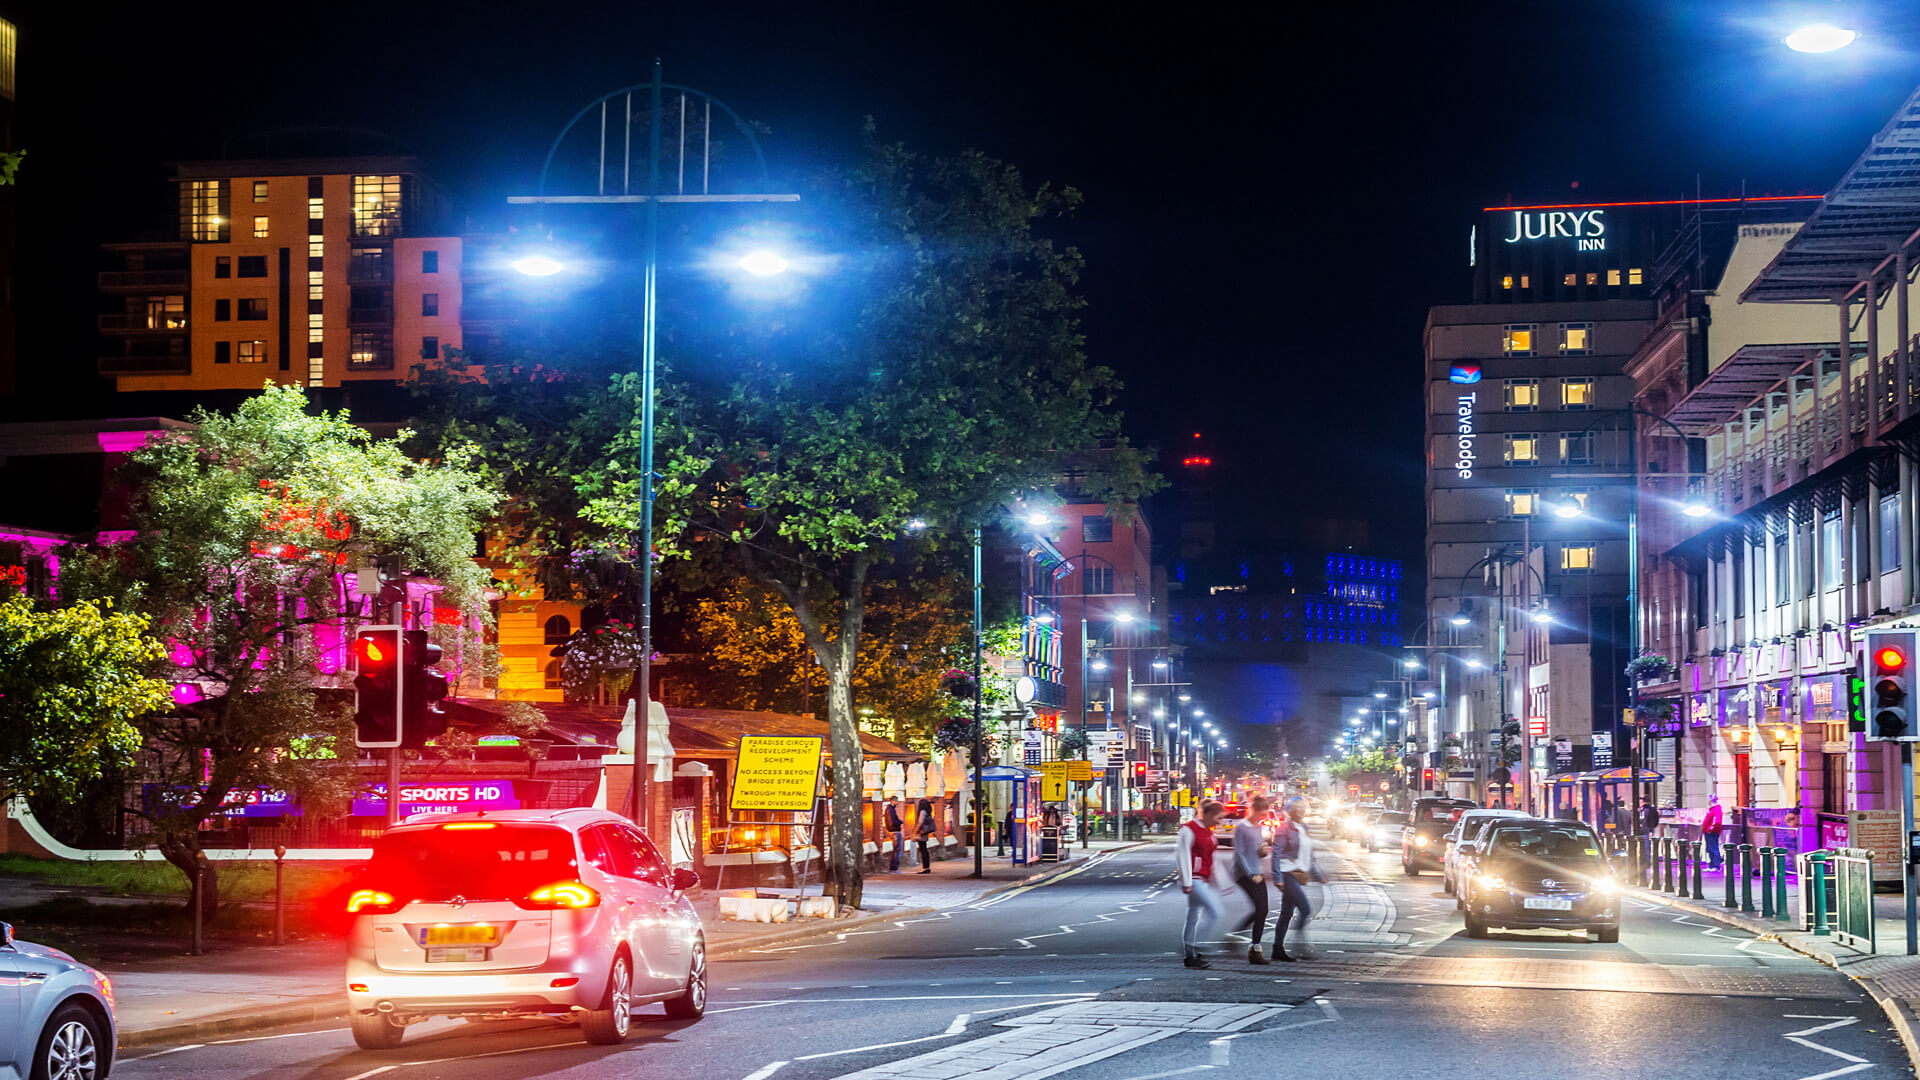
column 1082, row 975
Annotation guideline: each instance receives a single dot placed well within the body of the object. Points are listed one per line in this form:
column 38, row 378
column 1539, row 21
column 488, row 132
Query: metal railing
column 1853, row 898
column 142, row 279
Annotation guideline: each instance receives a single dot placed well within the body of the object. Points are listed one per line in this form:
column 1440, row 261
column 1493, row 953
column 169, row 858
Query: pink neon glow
column 186, row 693
column 124, row 442
column 182, row 655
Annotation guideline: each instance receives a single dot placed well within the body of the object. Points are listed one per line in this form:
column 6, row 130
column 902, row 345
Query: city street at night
column 1082, row 972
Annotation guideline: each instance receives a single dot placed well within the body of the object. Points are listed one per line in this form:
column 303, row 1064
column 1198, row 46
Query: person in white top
column 1293, row 866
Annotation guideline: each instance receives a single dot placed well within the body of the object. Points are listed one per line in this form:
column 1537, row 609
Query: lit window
column 259, row 228
column 1523, row 448
column 1507, row 283
column 1613, row 277
column 1576, row 448
column 1576, row 338
column 1576, row 393
column 1633, row 277
column 1569, row 279
column 1526, row 281
column 316, row 291
column 316, row 328
column 259, row 191
column 1576, row 558
column 1593, row 279
column 166, row 313
column 1522, row 502
column 376, row 205
column 316, row 247
column 1523, row 395
column 253, row 352
column 369, row 350
column 316, row 208
column 1517, row 340
column 203, row 210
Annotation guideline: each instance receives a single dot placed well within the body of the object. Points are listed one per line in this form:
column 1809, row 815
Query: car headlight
column 1605, row 886
column 1489, row 881
column 1421, row 841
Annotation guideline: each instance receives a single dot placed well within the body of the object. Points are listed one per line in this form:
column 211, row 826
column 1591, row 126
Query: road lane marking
column 759, row 1005
column 1811, row 1045
column 922, row 997
column 960, row 1021
column 457, row 1057
column 1841, row 1071
column 163, row 1053
column 764, row 1071
column 282, row 1035
column 875, row 1046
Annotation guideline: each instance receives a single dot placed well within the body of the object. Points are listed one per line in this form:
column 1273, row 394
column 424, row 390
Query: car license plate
column 1548, row 903
column 465, row 934
column 464, row 954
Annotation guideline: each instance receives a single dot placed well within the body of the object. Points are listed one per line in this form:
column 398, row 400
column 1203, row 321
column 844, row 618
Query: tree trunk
column 846, row 843
column 183, row 853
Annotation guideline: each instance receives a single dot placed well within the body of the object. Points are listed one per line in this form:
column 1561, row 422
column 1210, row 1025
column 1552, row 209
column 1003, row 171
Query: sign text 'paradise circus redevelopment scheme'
column 777, row 772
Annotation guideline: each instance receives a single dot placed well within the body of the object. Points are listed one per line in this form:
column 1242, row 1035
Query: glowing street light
column 1100, row 664
column 763, row 263
column 1380, row 693
column 1819, row 39
column 538, row 265
column 1694, row 508
column 1473, row 662
column 1185, row 697
column 1199, row 712
column 1123, row 616
column 1411, row 663
column 1362, row 710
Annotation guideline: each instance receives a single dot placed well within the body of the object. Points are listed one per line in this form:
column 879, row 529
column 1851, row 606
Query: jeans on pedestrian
column 1293, row 897
column 1200, row 901
column 926, row 860
column 1713, row 850
column 893, row 860
column 1257, row 892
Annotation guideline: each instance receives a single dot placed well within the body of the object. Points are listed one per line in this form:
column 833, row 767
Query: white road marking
column 1327, row 1007
column 1841, row 1071
column 373, row 1072
column 764, row 1071
column 1222, row 1050
column 163, row 1053
column 1811, row 1045
column 959, row 1024
column 1174, row 1072
column 759, row 1005
column 875, row 1046
column 282, row 1035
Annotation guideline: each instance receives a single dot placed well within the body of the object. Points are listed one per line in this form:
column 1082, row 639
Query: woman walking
column 1294, row 851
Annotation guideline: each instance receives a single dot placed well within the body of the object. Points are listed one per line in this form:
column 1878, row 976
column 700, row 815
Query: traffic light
column 421, row 691
column 1889, row 678
column 1856, row 702
column 1426, row 779
column 376, row 682
column 1139, row 774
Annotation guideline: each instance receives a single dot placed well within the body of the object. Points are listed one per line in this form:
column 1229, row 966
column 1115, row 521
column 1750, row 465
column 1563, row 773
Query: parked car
column 1465, row 830
column 1234, row 813
column 1430, row 821
column 1385, row 830
column 1542, row 874
column 60, row 1020
column 570, row 914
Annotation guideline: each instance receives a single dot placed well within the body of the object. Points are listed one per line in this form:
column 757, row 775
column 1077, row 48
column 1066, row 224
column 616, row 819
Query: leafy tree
column 1376, row 761
column 72, row 682
column 936, row 372
column 242, row 529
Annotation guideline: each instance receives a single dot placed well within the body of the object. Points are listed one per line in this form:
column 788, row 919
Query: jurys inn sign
column 1586, row 228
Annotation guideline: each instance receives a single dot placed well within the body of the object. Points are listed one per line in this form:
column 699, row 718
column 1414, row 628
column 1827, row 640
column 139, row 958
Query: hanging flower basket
column 1649, row 667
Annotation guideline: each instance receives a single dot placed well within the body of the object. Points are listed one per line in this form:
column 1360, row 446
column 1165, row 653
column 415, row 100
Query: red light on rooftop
column 1196, row 462
column 1658, row 202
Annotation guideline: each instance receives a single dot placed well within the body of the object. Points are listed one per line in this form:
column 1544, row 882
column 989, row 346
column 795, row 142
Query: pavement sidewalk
column 1890, row 976
column 200, row 998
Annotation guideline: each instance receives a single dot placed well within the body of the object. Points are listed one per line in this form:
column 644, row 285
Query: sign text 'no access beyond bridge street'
column 777, row 772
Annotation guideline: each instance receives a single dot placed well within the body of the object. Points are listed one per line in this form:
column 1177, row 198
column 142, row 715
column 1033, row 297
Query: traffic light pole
column 399, row 612
column 1906, row 854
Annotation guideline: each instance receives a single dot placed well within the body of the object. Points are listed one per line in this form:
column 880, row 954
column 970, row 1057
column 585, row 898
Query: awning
column 1730, row 389
column 1004, row 772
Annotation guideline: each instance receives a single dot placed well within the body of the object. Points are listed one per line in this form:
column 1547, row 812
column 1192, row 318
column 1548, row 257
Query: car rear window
column 497, row 863
column 1392, row 817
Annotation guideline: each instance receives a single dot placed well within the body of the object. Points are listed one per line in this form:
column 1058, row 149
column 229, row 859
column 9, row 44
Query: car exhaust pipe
column 384, row 1006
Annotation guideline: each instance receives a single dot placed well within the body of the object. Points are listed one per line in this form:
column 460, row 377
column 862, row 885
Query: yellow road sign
column 777, row 772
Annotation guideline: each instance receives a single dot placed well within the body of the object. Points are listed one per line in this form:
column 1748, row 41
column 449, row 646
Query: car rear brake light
column 467, row 826
column 561, row 894
column 566, row 982
column 357, row 988
column 371, row 902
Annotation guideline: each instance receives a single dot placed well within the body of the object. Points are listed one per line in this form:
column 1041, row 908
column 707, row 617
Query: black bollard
column 1698, row 853
column 1732, row 867
column 1746, row 879
column 1766, row 882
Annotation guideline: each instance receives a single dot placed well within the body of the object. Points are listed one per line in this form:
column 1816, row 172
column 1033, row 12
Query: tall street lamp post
column 545, row 265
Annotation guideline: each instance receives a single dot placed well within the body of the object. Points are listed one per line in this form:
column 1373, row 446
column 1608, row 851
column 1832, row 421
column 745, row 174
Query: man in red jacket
column 1194, row 846
column 1710, row 827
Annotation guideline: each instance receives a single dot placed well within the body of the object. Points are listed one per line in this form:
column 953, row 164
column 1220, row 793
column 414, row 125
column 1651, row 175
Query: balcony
column 369, row 271
column 143, row 280
column 158, row 364
column 370, row 316
column 141, row 324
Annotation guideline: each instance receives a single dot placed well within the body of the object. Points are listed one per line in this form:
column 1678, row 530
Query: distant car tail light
column 561, row 894
column 371, row 902
column 563, row 983
column 468, row 826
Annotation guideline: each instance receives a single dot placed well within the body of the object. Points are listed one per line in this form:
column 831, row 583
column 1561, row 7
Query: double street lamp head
column 538, row 265
column 1819, row 39
column 763, row 263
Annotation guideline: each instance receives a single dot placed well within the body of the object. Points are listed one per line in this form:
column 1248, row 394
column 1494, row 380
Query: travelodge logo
column 1465, row 373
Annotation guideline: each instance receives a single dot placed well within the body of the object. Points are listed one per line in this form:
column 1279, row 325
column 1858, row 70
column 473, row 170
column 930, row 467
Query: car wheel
column 608, row 1025
column 373, row 1031
column 1475, row 928
column 1446, row 885
column 692, row 1004
column 1608, row 935
column 1407, row 869
column 69, row 1048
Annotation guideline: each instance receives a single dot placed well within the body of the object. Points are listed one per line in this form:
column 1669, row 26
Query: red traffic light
column 371, row 651
column 1889, row 659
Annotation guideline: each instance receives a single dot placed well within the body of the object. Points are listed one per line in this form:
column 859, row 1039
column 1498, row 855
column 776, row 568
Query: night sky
column 1273, row 199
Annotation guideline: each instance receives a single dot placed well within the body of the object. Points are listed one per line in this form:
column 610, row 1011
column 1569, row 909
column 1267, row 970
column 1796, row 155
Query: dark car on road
column 1534, row 875
column 1428, row 824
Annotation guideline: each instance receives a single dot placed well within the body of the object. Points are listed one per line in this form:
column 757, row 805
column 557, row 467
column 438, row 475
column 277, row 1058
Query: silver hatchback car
column 56, row 1014
column 571, row 914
